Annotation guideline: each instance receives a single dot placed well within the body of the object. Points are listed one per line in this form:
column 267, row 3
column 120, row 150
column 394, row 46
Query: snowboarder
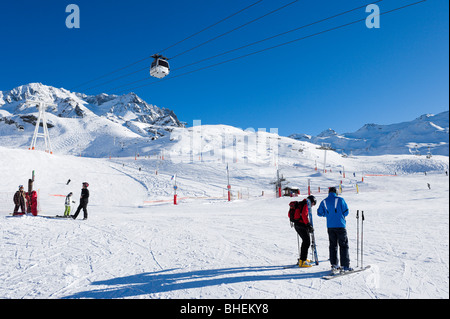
column 67, row 204
column 19, row 201
column 303, row 228
column 335, row 209
column 84, row 199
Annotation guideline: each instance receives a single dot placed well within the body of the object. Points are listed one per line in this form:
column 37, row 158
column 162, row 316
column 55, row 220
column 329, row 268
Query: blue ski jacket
column 335, row 209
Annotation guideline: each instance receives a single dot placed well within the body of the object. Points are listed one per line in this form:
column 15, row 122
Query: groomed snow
column 137, row 244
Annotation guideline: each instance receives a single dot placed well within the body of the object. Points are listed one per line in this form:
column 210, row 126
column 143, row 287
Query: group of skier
column 334, row 209
column 26, row 201
column 21, row 198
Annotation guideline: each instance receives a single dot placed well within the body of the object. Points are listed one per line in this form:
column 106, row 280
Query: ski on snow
column 345, row 273
column 58, row 217
column 313, row 241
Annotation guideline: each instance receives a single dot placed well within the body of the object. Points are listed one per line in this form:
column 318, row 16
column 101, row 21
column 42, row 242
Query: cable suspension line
column 146, row 58
column 232, row 50
column 273, row 47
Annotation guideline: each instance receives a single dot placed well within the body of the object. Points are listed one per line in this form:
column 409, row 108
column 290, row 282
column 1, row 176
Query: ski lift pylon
column 160, row 66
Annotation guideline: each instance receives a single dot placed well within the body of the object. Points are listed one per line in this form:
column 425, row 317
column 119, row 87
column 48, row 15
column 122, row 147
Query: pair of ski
column 338, row 273
column 359, row 243
column 59, row 217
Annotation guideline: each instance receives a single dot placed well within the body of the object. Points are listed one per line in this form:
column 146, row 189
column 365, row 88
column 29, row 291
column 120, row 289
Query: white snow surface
column 137, row 244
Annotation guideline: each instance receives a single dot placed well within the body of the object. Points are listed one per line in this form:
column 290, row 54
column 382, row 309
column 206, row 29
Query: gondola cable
column 197, row 46
column 273, row 47
column 146, row 58
column 236, row 49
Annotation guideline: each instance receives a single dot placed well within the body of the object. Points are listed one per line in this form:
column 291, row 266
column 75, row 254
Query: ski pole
column 298, row 245
column 362, row 236
column 357, row 238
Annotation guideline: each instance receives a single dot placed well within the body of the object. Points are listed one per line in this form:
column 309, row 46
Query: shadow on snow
column 170, row 280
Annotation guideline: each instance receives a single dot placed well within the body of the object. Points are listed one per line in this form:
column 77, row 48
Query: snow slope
column 137, row 244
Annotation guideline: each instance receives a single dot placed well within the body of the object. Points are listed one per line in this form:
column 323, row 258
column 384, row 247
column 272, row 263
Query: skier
column 335, row 209
column 33, row 199
column 303, row 228
column 67, row 204
column 19, row 201
column 84, row 199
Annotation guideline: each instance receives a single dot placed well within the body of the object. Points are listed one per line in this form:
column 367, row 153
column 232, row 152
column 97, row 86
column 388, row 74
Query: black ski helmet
column 332, row 190
column 312, row 199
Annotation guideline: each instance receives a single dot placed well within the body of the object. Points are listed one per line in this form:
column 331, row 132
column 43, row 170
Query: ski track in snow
column 211, row 248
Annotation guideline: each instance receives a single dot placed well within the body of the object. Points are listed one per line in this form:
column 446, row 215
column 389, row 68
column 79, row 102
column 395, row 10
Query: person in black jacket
column 19, row 201
column 84, row 199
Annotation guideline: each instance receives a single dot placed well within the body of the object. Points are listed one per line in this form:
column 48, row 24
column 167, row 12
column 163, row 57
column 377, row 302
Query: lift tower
column 41, row 117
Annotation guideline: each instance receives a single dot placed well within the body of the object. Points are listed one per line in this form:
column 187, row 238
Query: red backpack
column 295, row 211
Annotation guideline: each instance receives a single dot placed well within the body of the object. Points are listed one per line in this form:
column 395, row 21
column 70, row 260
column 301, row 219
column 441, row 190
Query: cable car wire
column 146, row 58
column 273, row 47
column 233, row 50
column 197, row 46
column 237, row 28
column 209, row 27
column 244, row 46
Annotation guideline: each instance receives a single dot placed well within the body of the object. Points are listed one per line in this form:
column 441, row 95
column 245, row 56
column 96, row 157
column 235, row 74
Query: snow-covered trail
column 211, row 248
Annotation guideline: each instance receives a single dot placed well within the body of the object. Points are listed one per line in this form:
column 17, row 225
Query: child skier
column 67, row 204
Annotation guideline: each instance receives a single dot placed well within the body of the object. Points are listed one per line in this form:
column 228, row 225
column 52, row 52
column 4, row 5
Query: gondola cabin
column 160, row 67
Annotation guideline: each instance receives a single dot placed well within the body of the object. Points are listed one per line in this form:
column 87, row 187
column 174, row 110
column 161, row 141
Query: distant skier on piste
column 335, row 209
column 298, row 215
column 84, row 199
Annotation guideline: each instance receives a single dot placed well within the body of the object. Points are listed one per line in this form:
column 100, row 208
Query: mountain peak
column 428, row 132
column 328, row 132
column 119, row 109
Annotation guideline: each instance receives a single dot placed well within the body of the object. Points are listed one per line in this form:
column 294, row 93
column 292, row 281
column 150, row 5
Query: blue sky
column 341, row 79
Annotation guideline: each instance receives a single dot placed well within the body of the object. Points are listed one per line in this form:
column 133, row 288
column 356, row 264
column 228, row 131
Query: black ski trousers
column 338, row 237
column 83, row 205
column 303, row 232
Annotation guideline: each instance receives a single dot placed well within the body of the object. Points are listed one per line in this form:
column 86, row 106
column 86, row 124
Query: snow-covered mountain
column 427, row 133
column 127, row 110
column 110, row 125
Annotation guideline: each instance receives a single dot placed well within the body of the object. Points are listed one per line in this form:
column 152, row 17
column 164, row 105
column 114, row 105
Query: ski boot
column 304, row 264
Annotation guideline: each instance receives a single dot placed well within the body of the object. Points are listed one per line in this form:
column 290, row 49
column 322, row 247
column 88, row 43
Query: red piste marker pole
column 228, row 185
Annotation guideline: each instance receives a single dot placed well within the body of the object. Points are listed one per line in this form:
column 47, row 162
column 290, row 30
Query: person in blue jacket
column 335, row 209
